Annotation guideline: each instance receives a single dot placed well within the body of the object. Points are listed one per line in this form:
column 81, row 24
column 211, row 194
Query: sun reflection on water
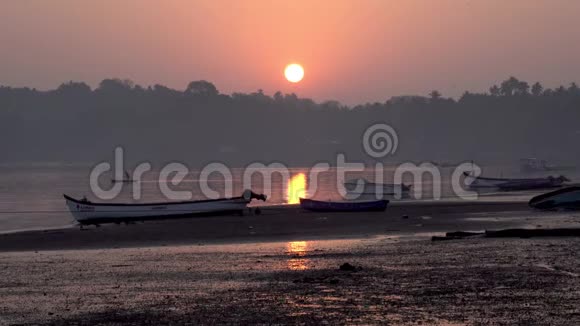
column 297, row 250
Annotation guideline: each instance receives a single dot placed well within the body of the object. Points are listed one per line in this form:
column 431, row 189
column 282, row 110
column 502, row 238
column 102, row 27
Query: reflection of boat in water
column 371, row 189
column 536, row 165
column 86, row 212
column 514, row 184
column 344, row 206
column 567, row 198
column 126, row 178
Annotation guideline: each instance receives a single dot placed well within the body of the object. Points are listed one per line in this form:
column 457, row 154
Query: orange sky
column 353, row 51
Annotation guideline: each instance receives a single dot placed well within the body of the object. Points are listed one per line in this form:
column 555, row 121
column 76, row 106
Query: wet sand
column 275, row 269
column 475, row 281
column 282, row 223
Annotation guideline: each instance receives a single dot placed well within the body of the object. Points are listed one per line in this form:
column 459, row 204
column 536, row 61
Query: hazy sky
column 353, row 51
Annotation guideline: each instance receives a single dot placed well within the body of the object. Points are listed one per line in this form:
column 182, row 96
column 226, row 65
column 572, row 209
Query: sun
column 294, row 72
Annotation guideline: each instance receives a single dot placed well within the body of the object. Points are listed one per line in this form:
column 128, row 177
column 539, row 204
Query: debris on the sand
column 444, row 238
column 405, row 217
column 349, row 268
column 463, row 234
column 458, row 235
column 528, row 233
column 511, row 233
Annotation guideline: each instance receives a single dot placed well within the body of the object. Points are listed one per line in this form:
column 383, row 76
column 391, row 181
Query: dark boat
column 549, row 182
column 343, row 206
column 567, row 198
column 368, row 188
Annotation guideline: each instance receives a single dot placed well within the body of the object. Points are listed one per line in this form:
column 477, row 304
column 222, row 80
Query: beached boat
column 514, row 184
column 373, row 189
column 529, row 165
column 86, row 212
column 344, row 206
column 567, row 198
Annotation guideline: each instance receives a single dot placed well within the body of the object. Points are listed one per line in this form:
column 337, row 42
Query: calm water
column 31, row 196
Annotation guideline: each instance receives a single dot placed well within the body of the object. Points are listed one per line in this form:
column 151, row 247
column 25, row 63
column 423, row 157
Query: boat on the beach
column 344, row 206
column 375, row 189
column 514, row 184
column 86, row 212
column 566, row 198
column 529, row 165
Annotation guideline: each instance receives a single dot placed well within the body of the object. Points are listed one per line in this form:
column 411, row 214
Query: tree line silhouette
column 75, row 123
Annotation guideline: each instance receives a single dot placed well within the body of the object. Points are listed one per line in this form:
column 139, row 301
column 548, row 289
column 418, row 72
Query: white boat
column 86, row 212
column 528, row 165
column 371, row 189
column 514, row 184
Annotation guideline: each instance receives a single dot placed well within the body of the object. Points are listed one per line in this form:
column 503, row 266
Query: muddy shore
column 471, row 282
column 284, row 223
column 282, row 267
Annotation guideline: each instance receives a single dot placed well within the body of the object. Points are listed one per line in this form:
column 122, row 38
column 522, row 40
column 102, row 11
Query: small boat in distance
column 86, row 212
column 344, row 206
column 529, row 165
column 514, row 184
column 126, row 178
column 565, row 199
column 373, row 189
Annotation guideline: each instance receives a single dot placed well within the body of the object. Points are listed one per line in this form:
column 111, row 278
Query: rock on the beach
column 348, row 267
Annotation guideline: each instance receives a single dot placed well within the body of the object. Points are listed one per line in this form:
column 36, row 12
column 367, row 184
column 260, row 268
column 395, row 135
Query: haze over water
column 31, row 196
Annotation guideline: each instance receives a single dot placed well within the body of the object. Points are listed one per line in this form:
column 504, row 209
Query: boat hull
column 96, row 213
column 343, row 206
column 514, row 184
column 561, row 199
column 361, row 188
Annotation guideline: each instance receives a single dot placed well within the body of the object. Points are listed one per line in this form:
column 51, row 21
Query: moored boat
column 529, row 165
column 514, row 184
column 566, row 198
column 377, row 190
column 344, row 206
column 86, row 212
